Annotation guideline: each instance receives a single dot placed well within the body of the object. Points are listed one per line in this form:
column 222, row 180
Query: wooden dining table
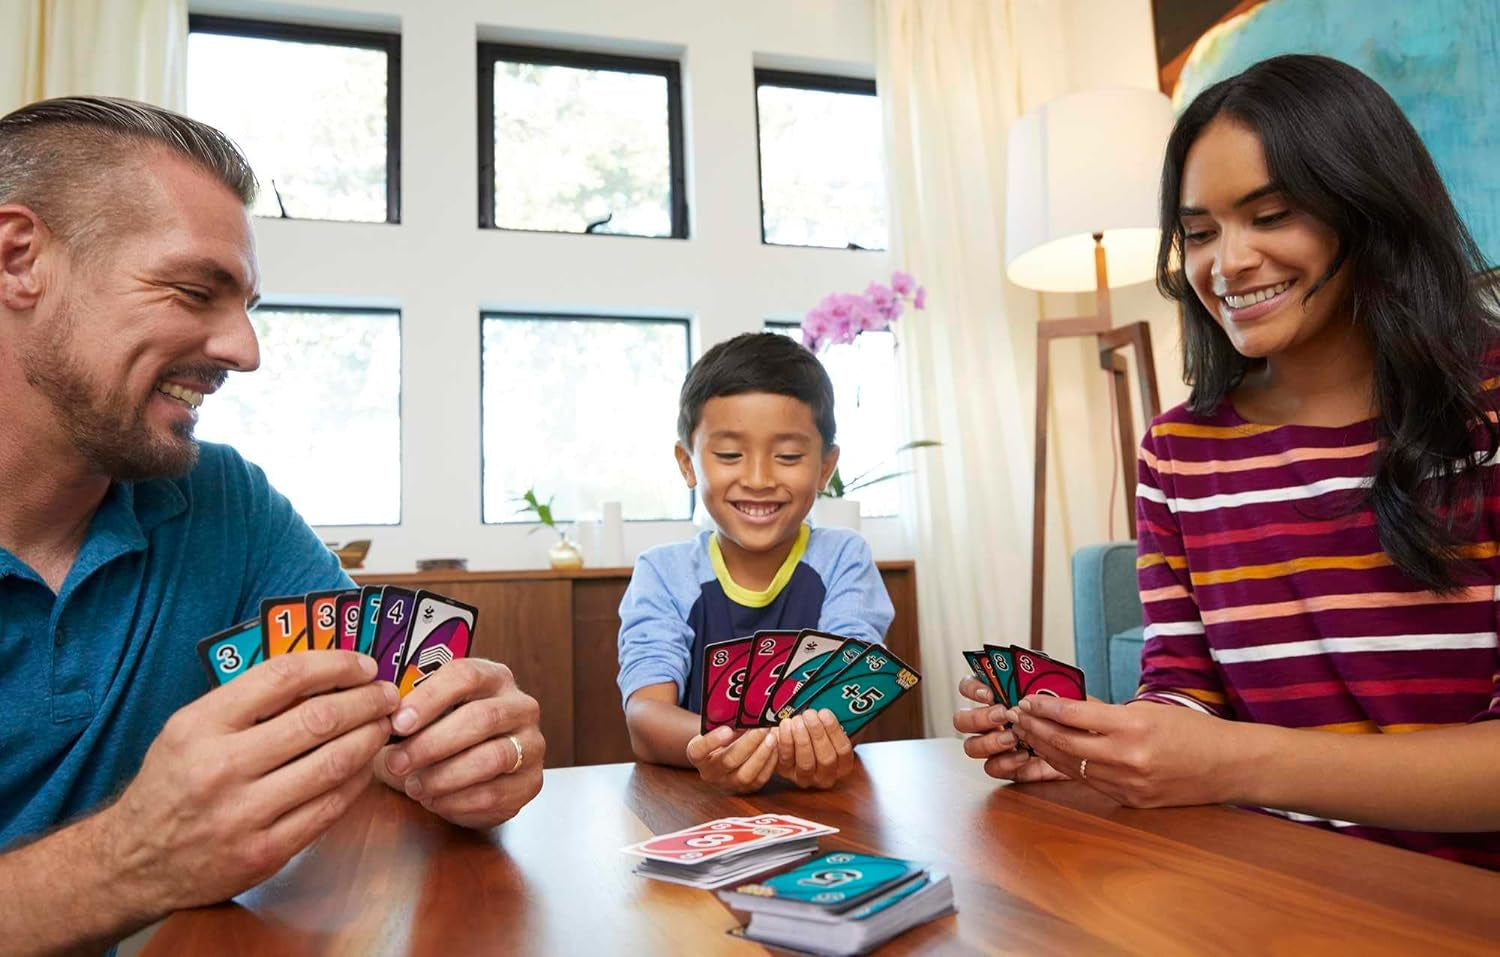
column 1051, row 868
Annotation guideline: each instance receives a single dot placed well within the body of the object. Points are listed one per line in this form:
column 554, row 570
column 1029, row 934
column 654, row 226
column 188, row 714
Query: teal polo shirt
column 88, row 676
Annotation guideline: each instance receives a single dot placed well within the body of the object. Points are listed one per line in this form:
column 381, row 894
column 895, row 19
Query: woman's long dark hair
column 1340, row 149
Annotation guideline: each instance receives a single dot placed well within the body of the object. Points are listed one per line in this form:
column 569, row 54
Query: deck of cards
column 719, row 853
column 757, row 682
column 1015, row 672
column 841, row 903
column 410, row 634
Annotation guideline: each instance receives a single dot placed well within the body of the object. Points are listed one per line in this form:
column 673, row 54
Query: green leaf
column 835, row 486
column 859, row 480
column 876, row 481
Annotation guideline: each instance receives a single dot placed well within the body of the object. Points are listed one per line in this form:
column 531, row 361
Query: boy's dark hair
column 757, row 362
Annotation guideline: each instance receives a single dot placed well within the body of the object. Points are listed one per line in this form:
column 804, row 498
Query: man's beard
column 107, row 428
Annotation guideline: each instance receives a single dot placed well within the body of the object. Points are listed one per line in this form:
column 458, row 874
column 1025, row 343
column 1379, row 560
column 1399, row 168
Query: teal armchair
column 1107, row 625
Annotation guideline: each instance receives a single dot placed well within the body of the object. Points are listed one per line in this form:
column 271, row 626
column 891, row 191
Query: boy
column 755, row 438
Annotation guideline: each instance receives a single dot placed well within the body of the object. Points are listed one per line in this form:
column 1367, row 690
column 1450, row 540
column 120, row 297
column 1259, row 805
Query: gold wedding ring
column 1083, row 769
column 520, row 754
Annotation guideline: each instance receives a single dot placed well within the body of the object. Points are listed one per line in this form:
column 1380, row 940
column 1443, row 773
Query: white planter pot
column 836, row 513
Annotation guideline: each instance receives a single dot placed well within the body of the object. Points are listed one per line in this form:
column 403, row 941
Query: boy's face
column 758, row 462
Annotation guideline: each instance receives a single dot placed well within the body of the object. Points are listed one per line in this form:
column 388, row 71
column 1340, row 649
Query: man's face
column 132, row 336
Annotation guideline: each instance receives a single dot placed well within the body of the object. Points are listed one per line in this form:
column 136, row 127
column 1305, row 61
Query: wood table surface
column 1050, row 868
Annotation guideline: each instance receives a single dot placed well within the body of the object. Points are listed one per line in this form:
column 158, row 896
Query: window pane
column 868, row 414
column 576, row 146
column 310, row 116
column 821, row 168
column 584, row 410
column 322, row 415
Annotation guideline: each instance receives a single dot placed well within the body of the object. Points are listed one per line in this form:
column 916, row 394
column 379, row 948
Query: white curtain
column 130, row 48
column 953, row 75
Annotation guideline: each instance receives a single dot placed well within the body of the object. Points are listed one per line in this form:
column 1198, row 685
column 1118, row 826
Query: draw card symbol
column 430, row 660
column 875, row 662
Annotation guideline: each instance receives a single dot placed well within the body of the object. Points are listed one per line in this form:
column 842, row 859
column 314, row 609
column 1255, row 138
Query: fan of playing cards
column 721, row 852
column 756, row 682
column 1015, row 672
column 410, row 634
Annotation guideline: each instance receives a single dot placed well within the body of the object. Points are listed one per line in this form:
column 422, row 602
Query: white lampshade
column 1082, row 164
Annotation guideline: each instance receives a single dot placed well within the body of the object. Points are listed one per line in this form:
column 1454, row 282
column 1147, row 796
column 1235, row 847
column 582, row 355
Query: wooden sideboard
column 557, row 631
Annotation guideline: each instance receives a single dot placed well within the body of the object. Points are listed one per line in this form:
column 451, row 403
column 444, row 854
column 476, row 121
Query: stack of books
column 841, row 903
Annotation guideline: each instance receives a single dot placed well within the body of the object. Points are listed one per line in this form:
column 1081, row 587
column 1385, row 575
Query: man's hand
column 992, row 743
column 246, row 776
column 474, row 750
column 812, row 750
column 734, row 762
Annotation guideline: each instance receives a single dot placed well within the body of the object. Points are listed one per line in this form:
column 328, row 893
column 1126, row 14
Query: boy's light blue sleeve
column 656, row 642
column 855, row 603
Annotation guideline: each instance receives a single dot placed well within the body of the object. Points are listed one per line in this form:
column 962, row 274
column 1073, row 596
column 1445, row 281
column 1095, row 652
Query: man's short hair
column 757, row 362
column 64, row 158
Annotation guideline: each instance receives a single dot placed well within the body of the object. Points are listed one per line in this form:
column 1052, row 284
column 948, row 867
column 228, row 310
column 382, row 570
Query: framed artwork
column 1439, row 60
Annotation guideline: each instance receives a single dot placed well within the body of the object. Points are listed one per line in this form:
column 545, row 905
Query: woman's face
column 1249, row 254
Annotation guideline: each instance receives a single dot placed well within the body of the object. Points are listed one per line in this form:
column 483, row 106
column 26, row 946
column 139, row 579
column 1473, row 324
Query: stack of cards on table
column 756, row 682
column 718, row 853
column 410, row 634
column 1013, row 673
column 841, row 903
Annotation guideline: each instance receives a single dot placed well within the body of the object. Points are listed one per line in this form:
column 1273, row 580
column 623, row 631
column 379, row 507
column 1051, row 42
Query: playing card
column 799, row 825
column 393, row 623
column 835, row 882
column 715, row 839
column 723, row 672
column 980, row 666
column 322, row 619
column 369, row 617
column 835, row 663
column 230, row 653
column 768, row 655
column 1038, row 674
column 867, row 686
column 283, row 625
column 812, row 651
column 1003, row 664
column 347, row 610
column 441, row 631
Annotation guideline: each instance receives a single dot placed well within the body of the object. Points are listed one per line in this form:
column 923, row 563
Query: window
column 317, row 111
column 583, row 408
column 867, row 411
column 322, row 415
column 822, row 166
column 580, row 143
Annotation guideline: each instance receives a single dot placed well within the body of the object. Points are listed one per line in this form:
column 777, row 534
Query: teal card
column 231, row 652
column 831, row 665
column 369, row 617
column 836, row 882
column 1003, row 660
column 869, row 685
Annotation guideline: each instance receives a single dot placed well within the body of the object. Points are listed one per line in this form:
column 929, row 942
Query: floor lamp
column 1081, row 214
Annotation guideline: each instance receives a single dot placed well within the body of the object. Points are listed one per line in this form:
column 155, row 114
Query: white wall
column 441, row 269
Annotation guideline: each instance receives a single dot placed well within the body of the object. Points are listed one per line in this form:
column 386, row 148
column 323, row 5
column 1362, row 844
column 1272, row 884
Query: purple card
column 391, row 629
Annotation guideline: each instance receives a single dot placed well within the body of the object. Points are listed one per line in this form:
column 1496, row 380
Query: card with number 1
column 283, row 625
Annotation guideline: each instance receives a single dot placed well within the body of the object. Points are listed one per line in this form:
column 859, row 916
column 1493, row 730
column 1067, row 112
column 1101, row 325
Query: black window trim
column 389, row 43
column 546, row 316
column 797, row 80
column 277, row 305
column 670, row 70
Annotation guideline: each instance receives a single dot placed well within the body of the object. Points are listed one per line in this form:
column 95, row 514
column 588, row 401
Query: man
column 127, row 269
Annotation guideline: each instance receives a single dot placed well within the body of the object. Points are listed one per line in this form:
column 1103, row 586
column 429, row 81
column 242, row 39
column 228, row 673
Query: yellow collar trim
column 757, row 599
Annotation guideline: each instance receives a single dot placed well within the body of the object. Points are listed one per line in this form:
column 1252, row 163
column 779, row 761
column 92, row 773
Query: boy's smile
column 758, row 462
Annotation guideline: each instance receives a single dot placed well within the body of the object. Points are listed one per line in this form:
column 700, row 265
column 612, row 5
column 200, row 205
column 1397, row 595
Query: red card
column 705, row 842
column 768, row 656
column 725, row 664
column 1038, row 674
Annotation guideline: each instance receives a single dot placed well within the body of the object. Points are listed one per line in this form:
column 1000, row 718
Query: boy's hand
column 812, row 750
column 735, row 762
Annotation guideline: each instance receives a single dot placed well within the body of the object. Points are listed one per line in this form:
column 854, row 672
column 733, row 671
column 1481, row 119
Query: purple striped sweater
column 1266, row 599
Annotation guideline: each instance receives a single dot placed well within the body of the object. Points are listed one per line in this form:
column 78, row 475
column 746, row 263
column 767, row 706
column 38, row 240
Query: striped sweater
column 1267, row 600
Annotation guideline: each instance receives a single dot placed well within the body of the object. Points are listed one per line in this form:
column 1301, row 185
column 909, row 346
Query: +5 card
column 283, row 625
column 812, row 652
column 851, row 649
column 1038, row 674
column 442, row 629
column 347, row 610
column 724, row 667
column 768, row 655
column 322, row 619
column 869, row 685
column 393, row 624
column 231, row 652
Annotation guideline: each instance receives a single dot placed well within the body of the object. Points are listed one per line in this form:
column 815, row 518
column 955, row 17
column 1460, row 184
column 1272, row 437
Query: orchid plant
column 842, row 316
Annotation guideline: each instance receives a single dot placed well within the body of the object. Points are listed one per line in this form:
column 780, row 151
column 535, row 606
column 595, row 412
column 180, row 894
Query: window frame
column 670, row 70
column 399, row 314
column 684, row 323
column 388, row 43
column 818, row 83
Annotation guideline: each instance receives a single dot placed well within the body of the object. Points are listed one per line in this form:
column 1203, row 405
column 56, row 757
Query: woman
column 1317, row 549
